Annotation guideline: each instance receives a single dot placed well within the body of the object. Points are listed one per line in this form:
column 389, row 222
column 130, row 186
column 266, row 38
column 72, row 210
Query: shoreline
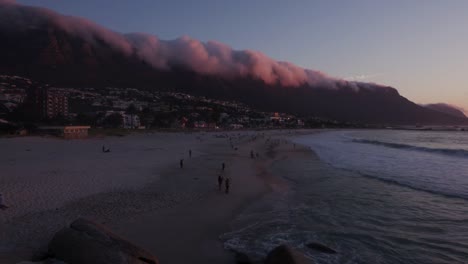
column 175, row 204
column 192, row 231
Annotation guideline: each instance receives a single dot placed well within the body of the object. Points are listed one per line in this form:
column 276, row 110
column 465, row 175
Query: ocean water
column 376, row 196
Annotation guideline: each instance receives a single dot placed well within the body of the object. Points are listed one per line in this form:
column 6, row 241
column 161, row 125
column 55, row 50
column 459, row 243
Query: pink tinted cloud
column 210, row 57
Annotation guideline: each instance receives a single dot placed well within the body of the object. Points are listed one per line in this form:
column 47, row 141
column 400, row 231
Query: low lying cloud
column 219, row 59
column 210, row 57
column 363, row 77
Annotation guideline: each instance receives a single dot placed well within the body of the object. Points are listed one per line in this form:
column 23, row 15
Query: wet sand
column 190, row 232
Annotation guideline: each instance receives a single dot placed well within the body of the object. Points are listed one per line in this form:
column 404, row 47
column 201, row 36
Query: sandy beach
column 137, row 189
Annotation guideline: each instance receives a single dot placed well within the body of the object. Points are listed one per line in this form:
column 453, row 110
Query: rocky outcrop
column 321, row 248
column 242, row 258
column 286, row 255
column 87, row 242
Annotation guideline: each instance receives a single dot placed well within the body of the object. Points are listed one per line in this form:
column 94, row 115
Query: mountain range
column 69, row 51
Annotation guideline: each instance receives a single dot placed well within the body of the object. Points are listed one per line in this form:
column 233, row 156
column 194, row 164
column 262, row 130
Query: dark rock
column 88, row 242
column 53, row 261
column 242, row 258
column 41, row 256
column 46, row 261
column 286, row 255
column 320, row 247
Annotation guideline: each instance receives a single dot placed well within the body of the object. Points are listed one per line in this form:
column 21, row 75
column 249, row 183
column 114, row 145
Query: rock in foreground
column 88, row 242
column 286, row 255
column 320, row 247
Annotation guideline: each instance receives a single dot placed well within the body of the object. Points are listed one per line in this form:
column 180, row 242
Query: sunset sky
column 418, row 47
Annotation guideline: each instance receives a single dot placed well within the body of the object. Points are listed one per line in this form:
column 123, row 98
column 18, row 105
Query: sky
column 418, row 47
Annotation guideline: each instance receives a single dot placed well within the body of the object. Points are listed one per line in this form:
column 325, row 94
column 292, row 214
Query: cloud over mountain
column 210, row 57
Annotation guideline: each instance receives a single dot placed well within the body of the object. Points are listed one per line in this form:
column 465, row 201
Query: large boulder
column 242, row 258
column 321, row 248
column 286, row 255
column 85, row 241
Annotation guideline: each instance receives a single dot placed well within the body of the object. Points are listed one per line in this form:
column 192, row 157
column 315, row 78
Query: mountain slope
column 447, row 109
column 67, row 51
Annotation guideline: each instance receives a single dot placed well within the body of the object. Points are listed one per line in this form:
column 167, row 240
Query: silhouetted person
column 181, row 163
column 227, row 183
column 223, row 166
column 103, row 148
column 252, row 154
column 190, row 153
column 220, row 181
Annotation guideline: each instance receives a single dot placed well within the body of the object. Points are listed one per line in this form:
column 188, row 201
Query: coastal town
column 27, row 106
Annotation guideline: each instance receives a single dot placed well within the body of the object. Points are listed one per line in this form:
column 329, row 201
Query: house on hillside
column 131, row 121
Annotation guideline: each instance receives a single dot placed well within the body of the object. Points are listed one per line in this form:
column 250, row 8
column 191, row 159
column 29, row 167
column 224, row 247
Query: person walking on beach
column 223, row 166
column 227, row 183
column 190, row 153
column 181, row 163
column 252, row 154
column 220, row 181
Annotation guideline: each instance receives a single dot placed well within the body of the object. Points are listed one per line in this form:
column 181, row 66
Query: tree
column 215, row 116
column 131, row 110
column 147, row 117
column 87, row 119
column 113, row 120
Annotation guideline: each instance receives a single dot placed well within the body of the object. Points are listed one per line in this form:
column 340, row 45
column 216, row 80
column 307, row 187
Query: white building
column 131, row 121
column 128, row 121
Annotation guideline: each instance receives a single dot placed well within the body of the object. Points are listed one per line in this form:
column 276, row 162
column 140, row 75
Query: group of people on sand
column 254, row 155
column 221, row 178
column 181, row 162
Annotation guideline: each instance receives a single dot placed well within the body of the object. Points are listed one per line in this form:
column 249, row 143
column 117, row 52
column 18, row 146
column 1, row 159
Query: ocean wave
column 410, row 185
column 399, row 181
column 448, row 152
